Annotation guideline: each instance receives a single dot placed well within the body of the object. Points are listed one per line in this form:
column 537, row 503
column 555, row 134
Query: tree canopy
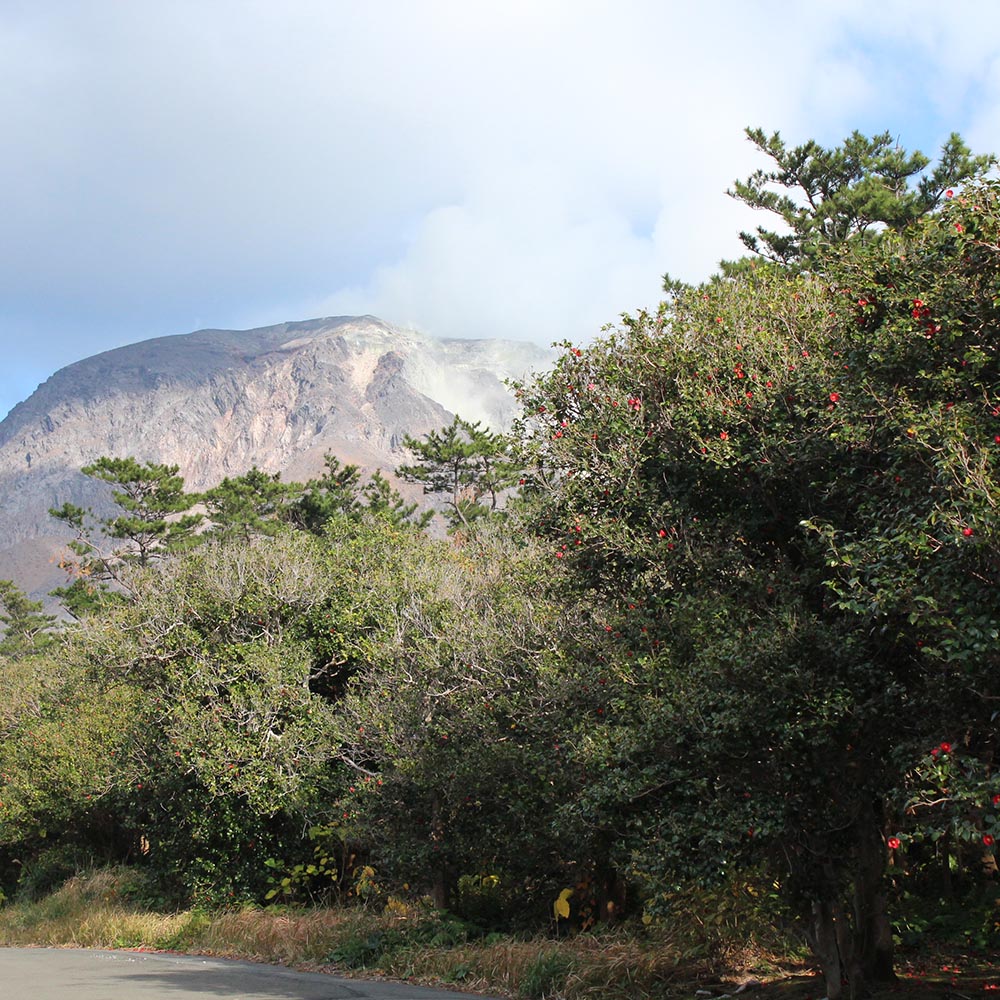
column 154, row 519
column 465, row 465
column 827, row 196
column 776, row 495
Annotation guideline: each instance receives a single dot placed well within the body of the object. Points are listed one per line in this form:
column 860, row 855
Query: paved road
column 78, row 974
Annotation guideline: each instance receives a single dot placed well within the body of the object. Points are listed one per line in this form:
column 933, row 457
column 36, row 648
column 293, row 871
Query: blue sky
column 525, row 169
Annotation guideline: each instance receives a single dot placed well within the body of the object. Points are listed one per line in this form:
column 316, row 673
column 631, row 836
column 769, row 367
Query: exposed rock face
column 217, row 402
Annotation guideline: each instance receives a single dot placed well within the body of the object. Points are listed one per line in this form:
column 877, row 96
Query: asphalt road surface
column 79, row 974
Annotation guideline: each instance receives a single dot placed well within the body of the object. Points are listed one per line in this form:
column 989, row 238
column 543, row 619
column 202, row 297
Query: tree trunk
column 444, row 884
column 872, row 928
column 609, row 886
column 854, row 946
column 944, row 851
column 440, row 894
column 823, row 941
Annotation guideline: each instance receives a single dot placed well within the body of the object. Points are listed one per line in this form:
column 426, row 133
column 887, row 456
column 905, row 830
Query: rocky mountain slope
column 217, row 402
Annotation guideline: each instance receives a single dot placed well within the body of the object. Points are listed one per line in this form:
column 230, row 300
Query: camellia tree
column 775, row 498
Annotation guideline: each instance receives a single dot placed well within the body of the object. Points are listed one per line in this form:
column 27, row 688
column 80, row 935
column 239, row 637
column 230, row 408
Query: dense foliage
column 778, row 498
column 739, row 623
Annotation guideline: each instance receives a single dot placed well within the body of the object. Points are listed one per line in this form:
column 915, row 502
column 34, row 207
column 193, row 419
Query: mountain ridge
column 216, row 402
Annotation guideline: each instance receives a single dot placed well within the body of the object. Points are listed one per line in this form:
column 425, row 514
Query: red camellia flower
column 996, row 800
column 945, row 748
column 834, row 397
column 988, row 839
column 958, row 227
column 893, row 843
column 967, row 532
column 949, row 193
column 723, row 435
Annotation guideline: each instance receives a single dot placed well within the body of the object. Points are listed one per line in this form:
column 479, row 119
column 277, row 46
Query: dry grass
column 298, row 937
column 94, row 911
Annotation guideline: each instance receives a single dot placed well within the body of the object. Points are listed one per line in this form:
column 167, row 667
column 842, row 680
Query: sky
column 527, row 169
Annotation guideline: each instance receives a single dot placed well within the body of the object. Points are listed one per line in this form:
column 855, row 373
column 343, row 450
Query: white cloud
column 528, row 168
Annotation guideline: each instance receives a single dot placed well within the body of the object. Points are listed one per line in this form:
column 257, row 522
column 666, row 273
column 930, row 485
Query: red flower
column 662, row 533
column 958, row 227
column 834, row 397
column 988, row 839
column 893, row 843
column 996, row 800
column 945, row 748
column 949, row 193
column 723, row 435
column 967, row 532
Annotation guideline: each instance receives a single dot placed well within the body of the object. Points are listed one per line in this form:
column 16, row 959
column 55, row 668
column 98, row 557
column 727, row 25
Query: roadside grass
column 410, row 942
column 105, row 909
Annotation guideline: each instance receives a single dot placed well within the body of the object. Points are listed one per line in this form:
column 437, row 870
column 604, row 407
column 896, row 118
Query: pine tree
column 827, row 196
column 155, row 521
column 334, row 492
column 464, row 464
column 26, row 628
column 248, row 505
column 383, row 500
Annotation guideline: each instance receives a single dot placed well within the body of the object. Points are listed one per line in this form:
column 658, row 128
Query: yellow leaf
column 561, row 906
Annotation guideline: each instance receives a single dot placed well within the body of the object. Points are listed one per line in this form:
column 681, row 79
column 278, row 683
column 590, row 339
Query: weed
column 546, row 976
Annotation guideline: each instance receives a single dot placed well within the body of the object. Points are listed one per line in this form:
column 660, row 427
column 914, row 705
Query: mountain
column 217, row 402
